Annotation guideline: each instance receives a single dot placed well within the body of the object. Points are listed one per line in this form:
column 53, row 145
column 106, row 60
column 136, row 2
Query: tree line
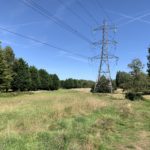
column 17, row 75
column 74, row 83
column 136, row 80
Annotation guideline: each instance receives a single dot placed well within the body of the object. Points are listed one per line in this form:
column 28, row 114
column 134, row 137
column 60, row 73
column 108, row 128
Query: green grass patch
column 72, row 120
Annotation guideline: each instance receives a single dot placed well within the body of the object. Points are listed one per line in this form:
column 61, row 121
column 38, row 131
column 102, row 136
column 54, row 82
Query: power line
column 102, row 8
column 44, row 12
column 57, row 20
column 44, row 43
column 75, row 14
column 87, row 12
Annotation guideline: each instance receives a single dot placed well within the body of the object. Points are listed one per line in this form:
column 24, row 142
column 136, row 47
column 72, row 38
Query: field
column 73, row 120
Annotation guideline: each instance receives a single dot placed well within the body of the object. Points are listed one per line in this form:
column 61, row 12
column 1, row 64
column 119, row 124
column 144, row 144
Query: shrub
column 92, row 89
column 146, row 92
column 102, row 86
column 133, row 96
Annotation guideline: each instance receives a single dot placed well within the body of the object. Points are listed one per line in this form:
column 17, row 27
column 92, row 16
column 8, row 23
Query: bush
column 133, row 96
column 92, row 89
column 102, row 86
column 146, row 92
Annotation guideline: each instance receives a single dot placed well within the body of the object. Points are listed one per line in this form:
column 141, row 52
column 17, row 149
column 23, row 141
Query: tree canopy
column 17, row 75
column 148, row 63
column 21, row 78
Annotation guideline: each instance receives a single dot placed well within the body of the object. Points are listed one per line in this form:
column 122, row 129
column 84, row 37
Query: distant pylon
column 105, row 56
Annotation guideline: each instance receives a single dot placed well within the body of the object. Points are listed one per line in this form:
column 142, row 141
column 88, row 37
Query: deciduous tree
column 139, row 81
column 136, row 67
column 123, row 80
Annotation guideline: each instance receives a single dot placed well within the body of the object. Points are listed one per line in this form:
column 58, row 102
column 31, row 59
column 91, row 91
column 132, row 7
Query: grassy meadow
column 73, row 120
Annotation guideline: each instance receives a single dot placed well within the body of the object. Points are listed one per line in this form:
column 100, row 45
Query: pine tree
column 9, row 58
column 44, row 79
column 9, row 55
column 21, row 78
column 5, row 73
column 54, row 82
column 148, row 64
column 103, row 86
column 35, row 80
column 2, row 71
column 68, row 83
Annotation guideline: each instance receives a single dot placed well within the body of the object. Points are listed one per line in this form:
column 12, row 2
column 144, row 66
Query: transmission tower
column 105, row 56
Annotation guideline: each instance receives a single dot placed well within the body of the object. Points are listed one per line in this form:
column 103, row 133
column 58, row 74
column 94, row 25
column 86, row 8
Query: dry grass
column 45, row 106
column 85, row 90
column 147, row 97
column 77, row 119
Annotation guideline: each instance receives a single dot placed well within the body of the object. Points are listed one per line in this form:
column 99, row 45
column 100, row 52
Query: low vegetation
column 73, row 120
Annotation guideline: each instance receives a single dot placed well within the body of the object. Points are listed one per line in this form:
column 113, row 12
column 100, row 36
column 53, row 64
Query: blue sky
column 132, row 17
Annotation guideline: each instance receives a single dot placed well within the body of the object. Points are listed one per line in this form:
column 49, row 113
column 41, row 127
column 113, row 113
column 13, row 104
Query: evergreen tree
column 5, row 73
column 17, row 75
column 2, row 71
column 62, row 84
column 50, row 83
column 54, row 82
column 148, row 64
column 9, row 58
column 103, row 86
column 8, row 77
column 44, row 79
column 35, row 80
column 74, row 83
column 21, row 78
column 9, row 55
column 69, row 83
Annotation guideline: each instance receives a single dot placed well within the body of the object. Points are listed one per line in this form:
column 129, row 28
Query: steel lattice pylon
column 104, row 57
